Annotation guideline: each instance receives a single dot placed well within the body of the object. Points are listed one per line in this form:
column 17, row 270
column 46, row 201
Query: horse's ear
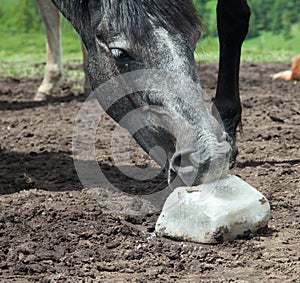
column 77, row 12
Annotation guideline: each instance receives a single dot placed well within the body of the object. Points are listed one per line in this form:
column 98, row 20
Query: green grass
column 7, row 6
column 23, row 54
column 267, row 47
column 270, row 47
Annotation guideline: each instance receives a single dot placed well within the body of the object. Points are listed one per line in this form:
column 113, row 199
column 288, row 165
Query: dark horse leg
column 233, row 22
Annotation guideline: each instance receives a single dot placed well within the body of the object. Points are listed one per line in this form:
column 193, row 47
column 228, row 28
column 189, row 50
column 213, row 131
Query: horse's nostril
column 176, row 161
column 182, row 167
column 201, row 166
column 181, row 161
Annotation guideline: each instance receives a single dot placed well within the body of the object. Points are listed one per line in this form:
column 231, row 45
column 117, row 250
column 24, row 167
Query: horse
column 54, row 68
column 290, row 75
column 124, row 36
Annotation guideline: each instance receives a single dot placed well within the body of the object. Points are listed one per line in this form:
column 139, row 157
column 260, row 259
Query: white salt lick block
column 212, row 213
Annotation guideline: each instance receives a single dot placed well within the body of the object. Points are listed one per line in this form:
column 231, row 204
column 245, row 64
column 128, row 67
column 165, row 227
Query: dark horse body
column 123, row 36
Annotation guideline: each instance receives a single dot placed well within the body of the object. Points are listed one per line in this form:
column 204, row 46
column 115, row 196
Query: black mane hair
column 135, row 18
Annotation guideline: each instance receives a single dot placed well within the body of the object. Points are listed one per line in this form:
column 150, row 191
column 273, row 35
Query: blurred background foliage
column 276, row 16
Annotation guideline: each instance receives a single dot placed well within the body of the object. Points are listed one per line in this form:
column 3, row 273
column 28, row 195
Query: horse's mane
column 135, row 18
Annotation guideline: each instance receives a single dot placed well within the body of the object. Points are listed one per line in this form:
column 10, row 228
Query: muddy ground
column 54, row 230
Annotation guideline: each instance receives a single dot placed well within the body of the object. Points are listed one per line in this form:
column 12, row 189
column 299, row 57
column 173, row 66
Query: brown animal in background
column 290, row 75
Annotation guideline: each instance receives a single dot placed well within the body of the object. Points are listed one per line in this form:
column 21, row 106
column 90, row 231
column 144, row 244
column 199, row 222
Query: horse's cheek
column 99, row 68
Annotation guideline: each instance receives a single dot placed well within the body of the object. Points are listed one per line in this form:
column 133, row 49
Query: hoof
column 40, row 96
column 231, row 121
column 234, row 154
column 231, row 127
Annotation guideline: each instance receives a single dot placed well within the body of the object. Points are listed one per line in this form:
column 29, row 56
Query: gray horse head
column 148, row 45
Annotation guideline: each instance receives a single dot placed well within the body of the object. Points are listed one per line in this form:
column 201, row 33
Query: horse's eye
column 120, row 55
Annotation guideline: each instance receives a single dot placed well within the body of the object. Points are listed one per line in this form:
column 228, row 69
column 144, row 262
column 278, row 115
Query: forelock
column 137, row 18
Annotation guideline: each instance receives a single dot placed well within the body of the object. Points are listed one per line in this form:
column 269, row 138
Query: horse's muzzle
column 190, row 168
